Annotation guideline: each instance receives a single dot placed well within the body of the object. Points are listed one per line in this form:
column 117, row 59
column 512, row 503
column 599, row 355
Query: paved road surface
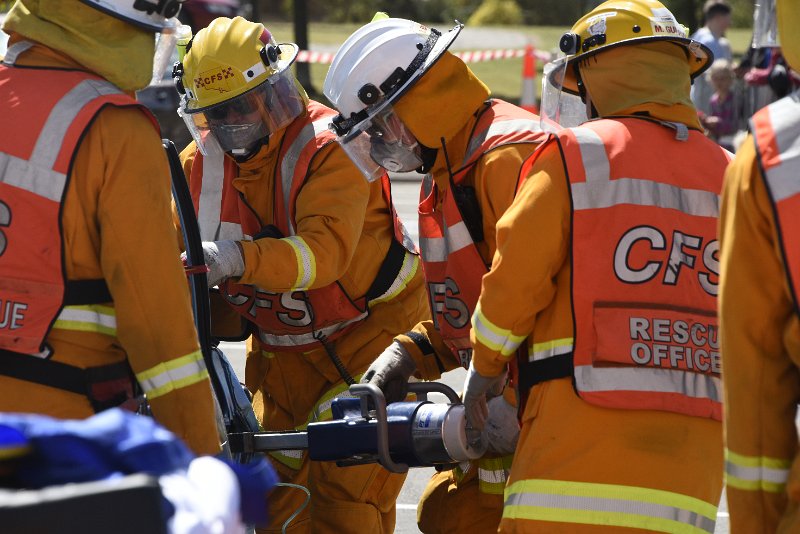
column 406, row 192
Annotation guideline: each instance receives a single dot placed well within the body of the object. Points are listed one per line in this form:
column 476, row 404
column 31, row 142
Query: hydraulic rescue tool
column 364, row 430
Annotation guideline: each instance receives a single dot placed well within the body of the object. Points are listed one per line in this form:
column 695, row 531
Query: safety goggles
column 241, row 122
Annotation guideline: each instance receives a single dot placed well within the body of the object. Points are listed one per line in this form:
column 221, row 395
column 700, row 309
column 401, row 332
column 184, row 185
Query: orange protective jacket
column 760, row 326
column 292, row 320
column 644, row 267
column 451, row 225
column 116, row 226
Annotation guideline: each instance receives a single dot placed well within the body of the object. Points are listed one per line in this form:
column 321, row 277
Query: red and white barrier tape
column 308, row 56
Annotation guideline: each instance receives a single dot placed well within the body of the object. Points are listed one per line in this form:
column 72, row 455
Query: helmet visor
column 559, row 109
column 765, row 25
column 381, row 141
column 241, row 122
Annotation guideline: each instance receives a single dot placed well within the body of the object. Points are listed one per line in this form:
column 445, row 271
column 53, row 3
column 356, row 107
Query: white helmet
column 374, row 67
column 153, row 15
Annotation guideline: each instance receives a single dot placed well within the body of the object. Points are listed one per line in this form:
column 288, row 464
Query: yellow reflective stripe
column 290, row 458
column 89, row 318
column 609, row 505
column 548, row 349
column 320, row 412
column 756, row 473
column 407, row 272
column 306, row 262
column 174, row 374
column 496, row 338
column 493, row 474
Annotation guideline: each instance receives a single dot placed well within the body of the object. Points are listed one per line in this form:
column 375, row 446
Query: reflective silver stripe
column 89, row 318
column 593, row 154
column 757, row 474
column 455, row 238
column 595, row 507
column 500, row 128
column 296, row 340
column 695, row 385
column 538, row 352
column 592, row 195
column 290, row 159
column 174, row 374
column 61, row 117
column 493, row 476
column 306, row 262
column 407, row 271
column 427, row 185
column 291, row 453
column 210, row 204
column 229, row 230
column 599, row 191
column 13, row 51
column 40, row 181
column 784, row 178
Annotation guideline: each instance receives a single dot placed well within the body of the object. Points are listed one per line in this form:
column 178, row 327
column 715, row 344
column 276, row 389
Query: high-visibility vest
column 295, row 320
column 50, row 109
column 452, row 265
column 645, row 268
column 776, row 129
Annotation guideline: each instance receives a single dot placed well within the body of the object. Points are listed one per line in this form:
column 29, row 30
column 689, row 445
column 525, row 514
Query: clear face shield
column 240, row 123
column 379, row 141
column 559, row 109
column 166, row 42
column 765, row 25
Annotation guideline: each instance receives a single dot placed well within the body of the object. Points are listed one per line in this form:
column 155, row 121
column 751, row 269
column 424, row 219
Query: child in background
column 721, row 120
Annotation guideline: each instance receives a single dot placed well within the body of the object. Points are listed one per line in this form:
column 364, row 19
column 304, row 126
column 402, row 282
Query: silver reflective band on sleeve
column 306, row 262
column 608, row 505
column 500, row 128
column 492, row 476
column 599, row 191
column 406, row 274
column 210, row 203
column 455, row 238
column 89, row 318
column 549, row 349
column 290, row 159
column 756, row 473
column 297, row 340
column 496, row 338
column 172, row 375
column 689, row 384
column 784, row 178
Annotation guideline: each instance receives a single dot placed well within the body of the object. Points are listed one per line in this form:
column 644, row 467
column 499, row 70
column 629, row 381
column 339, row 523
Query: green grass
column 504, row 77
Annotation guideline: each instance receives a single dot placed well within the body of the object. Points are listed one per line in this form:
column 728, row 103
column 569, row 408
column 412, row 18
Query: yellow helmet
column 627, row 22
column 237, row 85
column 788, row 21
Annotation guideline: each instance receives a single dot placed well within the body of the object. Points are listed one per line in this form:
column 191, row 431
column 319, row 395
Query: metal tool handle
column 421, row 389
column 365, row 391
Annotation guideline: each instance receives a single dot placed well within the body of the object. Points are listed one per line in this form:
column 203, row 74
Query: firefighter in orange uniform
column 758, row 309
column 470, row 151
column 310, row 253
column 604, row 286
column 91, row 283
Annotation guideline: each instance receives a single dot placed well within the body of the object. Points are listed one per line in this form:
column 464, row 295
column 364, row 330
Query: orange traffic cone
column 527, row 99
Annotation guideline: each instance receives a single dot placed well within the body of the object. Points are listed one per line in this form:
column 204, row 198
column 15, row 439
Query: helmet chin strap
column 592, row 112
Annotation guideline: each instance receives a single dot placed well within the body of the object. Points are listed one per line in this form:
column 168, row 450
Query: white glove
column 390, row 372
column 502, row 427
column 224, row 260
column 476, row 389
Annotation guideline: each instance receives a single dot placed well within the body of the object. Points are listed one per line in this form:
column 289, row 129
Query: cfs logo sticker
column 215, row 79
column 644, row 252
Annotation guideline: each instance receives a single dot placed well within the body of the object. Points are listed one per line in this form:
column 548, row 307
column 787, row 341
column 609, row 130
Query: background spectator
column 717, row 19
column 721, row 121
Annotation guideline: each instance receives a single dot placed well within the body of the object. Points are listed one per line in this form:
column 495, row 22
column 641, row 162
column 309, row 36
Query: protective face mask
column 396, row 157
column 239, row 136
